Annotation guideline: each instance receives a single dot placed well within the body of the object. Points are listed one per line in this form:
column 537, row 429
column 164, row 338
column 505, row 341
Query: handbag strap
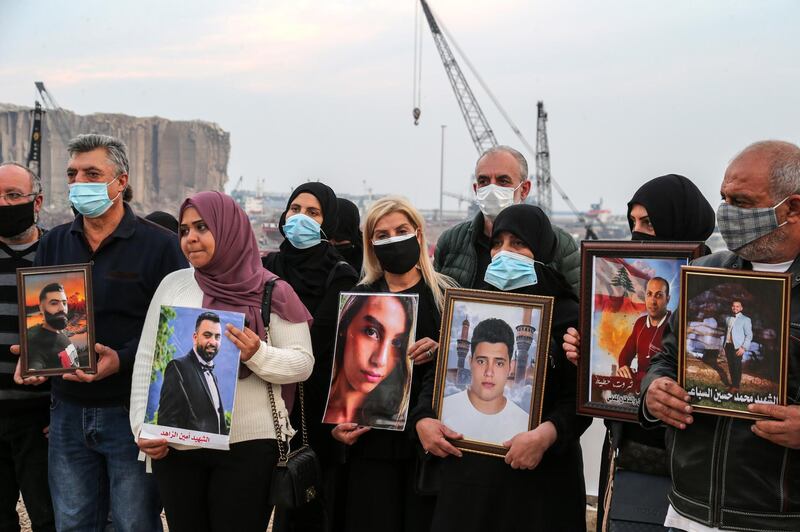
column 266, row 306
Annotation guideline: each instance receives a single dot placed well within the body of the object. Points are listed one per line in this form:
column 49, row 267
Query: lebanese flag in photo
column 69, row 357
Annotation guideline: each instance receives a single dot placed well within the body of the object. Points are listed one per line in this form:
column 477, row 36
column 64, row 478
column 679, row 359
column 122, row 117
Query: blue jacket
column 741, row 329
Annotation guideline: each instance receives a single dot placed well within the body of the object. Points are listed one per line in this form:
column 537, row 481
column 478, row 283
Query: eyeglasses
column 16, row 196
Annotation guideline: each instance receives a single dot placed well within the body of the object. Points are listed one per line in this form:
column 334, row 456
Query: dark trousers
column 734, row 365
column 381, row 496
column 23, row 468
column 210, row 490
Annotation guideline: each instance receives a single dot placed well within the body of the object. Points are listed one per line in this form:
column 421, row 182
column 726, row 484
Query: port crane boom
column 55, row 112
column 481, row 132
column 482, row 135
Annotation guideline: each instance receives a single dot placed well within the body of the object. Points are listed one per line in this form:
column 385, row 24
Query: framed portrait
column 629, row 291
column 193, row 377
column 56, row 320
column 734, row 339
column 371, row 372
column 491, row 366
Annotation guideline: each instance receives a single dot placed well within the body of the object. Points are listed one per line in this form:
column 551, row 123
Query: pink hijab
column 234, row 278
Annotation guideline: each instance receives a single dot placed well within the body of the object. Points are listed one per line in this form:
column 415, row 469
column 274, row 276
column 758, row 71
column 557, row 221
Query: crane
column 482, row 135
column 481, row 132
column 543, row 194
column 56, row 112
column 35, row 150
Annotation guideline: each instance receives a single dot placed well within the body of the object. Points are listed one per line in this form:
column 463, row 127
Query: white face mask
column 493, row 198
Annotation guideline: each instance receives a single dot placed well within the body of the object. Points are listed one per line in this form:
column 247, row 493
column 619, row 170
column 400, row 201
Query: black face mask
column 636, row 235
column 57, row 321
column 16, row 219
column 398, row 257
column 345, row 250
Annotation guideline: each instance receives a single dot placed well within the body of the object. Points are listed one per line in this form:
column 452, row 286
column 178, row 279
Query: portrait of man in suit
column 190, row 396
column 738, row 335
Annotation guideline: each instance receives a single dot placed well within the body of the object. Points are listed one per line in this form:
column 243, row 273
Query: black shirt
column 15, row 397
column 483, row 248
column 394, row 444
column 44, row 347
column 127, row 267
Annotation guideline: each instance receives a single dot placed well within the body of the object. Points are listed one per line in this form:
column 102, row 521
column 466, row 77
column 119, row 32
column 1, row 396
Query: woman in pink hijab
column 207, row 489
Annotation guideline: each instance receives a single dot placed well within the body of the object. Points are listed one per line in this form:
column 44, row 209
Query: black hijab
column 327, row 200
column 309, row 271
column 348, row 230
column 676, row 208
column 165, row 220
column 531, row 225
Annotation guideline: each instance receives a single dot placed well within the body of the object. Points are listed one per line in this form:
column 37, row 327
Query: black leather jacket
column 723, row 475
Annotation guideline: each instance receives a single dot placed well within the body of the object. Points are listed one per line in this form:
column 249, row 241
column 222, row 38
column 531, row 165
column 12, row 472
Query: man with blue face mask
column 728, row 473
column 93, row 458
column 501, row 180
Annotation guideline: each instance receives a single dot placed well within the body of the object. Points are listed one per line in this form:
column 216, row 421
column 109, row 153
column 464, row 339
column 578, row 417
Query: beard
column 206, row 354
column 763, row 249
column 57, row 320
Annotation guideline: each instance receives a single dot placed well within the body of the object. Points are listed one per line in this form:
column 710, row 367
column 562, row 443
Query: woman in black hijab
column 317, row 272
column 670, row 207
column 540, row 484
column 667, row 208
column 305, row 260
column 347, row 236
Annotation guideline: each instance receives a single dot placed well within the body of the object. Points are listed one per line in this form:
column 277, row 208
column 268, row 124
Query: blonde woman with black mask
column 381, row 463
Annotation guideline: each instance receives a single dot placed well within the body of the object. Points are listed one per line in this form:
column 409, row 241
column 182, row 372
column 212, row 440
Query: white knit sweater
column 286, row 359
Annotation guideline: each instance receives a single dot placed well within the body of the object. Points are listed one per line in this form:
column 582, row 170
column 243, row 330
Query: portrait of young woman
column 371, row 376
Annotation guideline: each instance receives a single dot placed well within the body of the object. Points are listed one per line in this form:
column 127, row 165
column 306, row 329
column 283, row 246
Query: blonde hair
column 372, row 267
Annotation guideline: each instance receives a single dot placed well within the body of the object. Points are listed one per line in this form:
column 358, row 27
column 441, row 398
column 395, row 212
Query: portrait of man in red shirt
column 645, row 338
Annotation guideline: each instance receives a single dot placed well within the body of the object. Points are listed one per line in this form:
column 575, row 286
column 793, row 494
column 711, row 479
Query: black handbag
column 297, row 476
column 639, row 485
column 638, row 502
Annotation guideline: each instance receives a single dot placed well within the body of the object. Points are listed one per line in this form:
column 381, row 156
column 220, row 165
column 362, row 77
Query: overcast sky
column 322, row 89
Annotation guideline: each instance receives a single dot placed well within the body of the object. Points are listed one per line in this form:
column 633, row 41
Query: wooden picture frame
column 729, row 356
column 46, row 349
column 619, row 333
column 495, row 316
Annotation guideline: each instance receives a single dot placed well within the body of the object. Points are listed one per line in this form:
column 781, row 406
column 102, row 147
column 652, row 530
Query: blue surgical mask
column 302, row 231
column 91, row 199
column 509, row 271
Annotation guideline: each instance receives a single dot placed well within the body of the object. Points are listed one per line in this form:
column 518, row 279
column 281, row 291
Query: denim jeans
column 23, row 468
column 94, row 465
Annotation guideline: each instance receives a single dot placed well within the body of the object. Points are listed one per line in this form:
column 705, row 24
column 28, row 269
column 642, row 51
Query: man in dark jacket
column 190, row 397
column 91, row 448
column 501, row 179
column 729, row 473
